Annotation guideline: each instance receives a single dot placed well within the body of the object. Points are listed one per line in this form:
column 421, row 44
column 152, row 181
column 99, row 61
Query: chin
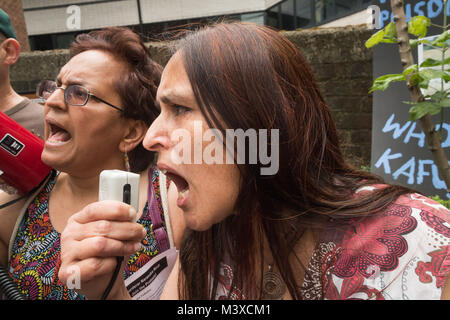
column 196, row 221
column 196, row 225
column 53, row 161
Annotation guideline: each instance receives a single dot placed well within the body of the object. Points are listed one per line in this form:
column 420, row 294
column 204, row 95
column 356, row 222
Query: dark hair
column 249, row 76
column 137, row 86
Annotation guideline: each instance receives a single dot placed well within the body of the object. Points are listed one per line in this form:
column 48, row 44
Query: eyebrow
column 172, row 96
column 71, row 81
column 168, row 99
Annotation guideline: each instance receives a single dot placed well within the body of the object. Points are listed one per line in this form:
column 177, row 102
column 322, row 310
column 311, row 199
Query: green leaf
column 375, row 39
column 386, row 35
column 439, row 95
column 446, row 77
column 417, row 80
column 410, row 69
column 383, row 82
column 443, row 37
column 390, row 40
column 445, row 103
column 430, row 62
column 418, row 26
column 414, row 43
column 422, row 108
column 390, row 31
column 428, row 74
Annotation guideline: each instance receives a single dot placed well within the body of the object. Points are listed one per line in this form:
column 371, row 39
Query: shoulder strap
column 23, row 210
column 160, row 234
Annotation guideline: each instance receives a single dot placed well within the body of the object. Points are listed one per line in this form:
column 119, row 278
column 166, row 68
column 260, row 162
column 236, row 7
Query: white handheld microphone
column 119, row 185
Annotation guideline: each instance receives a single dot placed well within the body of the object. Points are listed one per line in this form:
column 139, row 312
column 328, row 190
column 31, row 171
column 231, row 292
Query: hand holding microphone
column 99, row 233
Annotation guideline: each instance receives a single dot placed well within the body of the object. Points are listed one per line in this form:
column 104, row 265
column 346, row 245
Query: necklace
column 273, row 285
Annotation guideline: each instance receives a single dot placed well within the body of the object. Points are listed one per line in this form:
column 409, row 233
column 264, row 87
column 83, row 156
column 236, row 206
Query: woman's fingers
column 105, row 210
column 99, row 247
column 125, row 231
column 87, row 270
column 113, row 235
column 91, row 241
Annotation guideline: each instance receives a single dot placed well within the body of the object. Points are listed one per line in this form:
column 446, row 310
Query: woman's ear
column 10, row 51
column 134, row 135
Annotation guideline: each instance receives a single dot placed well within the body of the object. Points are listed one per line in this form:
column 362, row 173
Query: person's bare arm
column 170, row 291
column 8, row 217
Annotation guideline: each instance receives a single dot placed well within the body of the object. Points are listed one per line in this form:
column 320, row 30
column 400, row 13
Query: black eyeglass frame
column 89, row 94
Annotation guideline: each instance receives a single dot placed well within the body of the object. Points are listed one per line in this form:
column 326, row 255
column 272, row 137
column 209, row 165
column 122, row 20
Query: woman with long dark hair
column 288, row 218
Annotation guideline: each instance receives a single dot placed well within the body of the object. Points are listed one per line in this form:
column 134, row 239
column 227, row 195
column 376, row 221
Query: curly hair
column 137, row 86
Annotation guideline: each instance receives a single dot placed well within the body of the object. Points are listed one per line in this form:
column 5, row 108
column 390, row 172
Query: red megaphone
column 20, row 156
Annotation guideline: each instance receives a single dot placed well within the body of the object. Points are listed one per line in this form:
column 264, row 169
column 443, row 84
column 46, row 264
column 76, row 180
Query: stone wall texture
column 338, row 58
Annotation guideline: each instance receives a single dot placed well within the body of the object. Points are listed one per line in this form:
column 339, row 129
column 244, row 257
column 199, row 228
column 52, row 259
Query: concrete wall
column 340, row 62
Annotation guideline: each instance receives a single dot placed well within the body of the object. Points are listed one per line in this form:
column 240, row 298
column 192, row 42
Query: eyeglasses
column 74, row 94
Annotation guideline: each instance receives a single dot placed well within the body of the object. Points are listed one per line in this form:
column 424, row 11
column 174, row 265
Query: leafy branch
column 419, row 77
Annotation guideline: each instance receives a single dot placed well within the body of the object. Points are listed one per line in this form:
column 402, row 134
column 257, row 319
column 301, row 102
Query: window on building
column 303, row 13
column 287, row 15
column 64, row 40
column 323, row 10
column 41, row 42
column 272, row 17
column 258, row 17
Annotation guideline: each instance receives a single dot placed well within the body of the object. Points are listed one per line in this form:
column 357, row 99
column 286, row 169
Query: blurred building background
column 52, row 24
column 15, row 11
column 341, row 63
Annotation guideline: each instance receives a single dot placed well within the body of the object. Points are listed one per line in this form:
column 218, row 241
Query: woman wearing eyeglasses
column 96, row 115
column 314, row 228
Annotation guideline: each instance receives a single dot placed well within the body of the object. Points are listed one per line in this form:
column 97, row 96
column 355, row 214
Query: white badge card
column 148, row 282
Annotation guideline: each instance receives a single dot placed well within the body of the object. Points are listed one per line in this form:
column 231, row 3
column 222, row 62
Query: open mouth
column 57, row 134
column 181, row 184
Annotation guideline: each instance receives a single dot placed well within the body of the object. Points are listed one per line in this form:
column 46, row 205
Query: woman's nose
column 157, row 136
column 56, row 99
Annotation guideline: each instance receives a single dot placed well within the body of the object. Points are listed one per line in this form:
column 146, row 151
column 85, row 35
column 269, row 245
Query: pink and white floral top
column 403, row 253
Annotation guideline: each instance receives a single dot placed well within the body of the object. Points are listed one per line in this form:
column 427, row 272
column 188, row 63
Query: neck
column 69, row 195
column 298, row 259
column 83, row 180
column 8, row 97
column 79, row 188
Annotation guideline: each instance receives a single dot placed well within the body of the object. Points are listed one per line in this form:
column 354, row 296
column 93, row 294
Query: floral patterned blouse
column 401, row 254
column 35, row 259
